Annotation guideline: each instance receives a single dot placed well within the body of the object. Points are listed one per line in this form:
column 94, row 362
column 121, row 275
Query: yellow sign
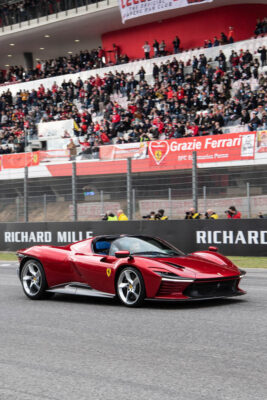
column 35, row 158
column 108, row 272
column 158, row 155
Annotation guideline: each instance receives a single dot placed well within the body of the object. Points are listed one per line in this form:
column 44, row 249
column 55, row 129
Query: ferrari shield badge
column 108, row 272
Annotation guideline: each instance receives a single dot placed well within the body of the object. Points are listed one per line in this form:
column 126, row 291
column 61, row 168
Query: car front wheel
column 131, row 287
column 33, row 280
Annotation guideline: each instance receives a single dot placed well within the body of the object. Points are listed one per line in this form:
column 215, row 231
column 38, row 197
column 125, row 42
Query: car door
column 96, row 270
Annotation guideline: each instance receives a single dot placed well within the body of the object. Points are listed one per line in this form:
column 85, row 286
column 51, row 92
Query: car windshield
column 144, row 246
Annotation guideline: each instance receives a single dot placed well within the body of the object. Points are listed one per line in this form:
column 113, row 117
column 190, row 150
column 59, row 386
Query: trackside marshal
column 137, row 8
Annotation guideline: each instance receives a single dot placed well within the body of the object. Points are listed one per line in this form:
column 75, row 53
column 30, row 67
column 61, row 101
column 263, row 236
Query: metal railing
column 17, row 15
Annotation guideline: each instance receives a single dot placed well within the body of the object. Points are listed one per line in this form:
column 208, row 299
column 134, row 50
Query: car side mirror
column 122, row 254
column 213, row 248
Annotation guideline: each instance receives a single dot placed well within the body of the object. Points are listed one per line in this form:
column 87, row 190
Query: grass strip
column 242, row 262
column 249, row 262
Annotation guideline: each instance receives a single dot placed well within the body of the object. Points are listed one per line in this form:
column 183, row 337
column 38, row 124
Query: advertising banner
column 20, row 160
column 160, row 155
column 232, row 237
column 137, row 8
column 261, row 145
column 55, row 129
column 136, row 151
column 210, row 149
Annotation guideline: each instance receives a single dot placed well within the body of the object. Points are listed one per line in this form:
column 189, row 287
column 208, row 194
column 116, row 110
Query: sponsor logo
column 159, row 150
column 231, row 237
column 45, row 236
column 108, row 272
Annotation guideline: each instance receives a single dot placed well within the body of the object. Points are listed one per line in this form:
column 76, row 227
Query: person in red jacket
column 232, row 213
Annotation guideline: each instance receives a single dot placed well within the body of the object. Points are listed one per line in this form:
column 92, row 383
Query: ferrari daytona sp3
column 132, row 268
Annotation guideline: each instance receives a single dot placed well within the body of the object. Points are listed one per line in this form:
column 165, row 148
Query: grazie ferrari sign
column 227, row 147
column 137, row 8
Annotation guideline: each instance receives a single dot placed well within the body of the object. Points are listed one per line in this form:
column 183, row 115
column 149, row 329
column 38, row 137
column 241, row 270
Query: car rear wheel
column 33, row 280
column 131, row 287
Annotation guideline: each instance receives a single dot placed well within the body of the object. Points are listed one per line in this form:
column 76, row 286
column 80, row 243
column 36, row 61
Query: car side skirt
column 79, row 289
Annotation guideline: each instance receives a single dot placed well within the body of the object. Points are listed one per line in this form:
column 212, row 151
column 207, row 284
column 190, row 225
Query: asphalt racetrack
column 81, row 348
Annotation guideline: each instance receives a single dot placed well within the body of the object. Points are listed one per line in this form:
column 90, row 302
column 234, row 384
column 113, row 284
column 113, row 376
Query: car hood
column 193, row 265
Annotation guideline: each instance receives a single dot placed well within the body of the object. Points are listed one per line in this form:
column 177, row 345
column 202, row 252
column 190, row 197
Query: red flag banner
column 20, row 160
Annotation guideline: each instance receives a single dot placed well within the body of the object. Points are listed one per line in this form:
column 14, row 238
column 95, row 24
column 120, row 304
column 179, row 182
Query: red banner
column 163, row 155
column 210, row 149
column 20, row 160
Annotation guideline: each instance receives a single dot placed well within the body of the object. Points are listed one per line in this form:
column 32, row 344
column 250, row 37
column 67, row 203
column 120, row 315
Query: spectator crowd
column 24, row 10
column 177, row 104
column 98, row 58
column 84, row 61
column 192, row 213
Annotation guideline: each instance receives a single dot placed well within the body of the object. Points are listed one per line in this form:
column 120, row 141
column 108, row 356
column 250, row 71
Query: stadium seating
column 21, row 122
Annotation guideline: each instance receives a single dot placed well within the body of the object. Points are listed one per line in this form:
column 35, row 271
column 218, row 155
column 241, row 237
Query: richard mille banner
column 137, row 8
column 233, row 237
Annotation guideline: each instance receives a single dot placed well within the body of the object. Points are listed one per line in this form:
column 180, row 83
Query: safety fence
column 73, row 195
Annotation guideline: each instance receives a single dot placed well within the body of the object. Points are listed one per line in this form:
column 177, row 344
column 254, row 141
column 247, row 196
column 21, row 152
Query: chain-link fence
column 74, row 196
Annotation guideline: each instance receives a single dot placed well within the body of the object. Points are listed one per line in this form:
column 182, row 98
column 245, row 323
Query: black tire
column 130, row 287
column 33, row 280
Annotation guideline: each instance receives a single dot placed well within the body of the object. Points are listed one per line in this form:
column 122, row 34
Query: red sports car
column 134, row 268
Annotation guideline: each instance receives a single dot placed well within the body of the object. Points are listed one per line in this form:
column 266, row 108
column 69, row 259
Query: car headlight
column 166, row 274
column 242, row 272
column 170, row 277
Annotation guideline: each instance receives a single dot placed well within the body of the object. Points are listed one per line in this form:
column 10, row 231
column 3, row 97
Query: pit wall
column 232, row 237
column 192, row 29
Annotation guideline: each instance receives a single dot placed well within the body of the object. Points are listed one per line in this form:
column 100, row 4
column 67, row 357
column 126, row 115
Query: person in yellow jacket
column 122, row 216
column 160, row 215
column 210, row 214
column 112, row 217
column 192, row 214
